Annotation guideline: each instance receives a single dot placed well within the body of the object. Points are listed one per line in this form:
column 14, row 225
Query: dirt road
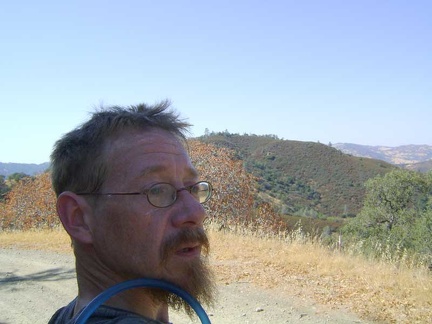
column 33, row 284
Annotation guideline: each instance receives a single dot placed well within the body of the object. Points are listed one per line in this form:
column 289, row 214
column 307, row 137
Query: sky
column 322, row 71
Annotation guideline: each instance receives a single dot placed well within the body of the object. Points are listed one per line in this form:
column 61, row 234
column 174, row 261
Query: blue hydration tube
column 137, row 283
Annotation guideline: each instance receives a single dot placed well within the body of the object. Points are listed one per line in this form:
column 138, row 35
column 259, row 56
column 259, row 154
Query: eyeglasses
column 163, row 194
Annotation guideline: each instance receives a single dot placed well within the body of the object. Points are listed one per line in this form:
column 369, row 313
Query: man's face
column 134, row 239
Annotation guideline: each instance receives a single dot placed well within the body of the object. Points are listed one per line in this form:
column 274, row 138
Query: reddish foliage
column 233, row 203
column 30, row 204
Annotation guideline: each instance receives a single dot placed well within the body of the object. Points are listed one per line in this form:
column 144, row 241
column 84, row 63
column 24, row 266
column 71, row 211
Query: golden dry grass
column 50, row 240
column 376, row 291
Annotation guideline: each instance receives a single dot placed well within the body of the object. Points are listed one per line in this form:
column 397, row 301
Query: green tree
column 397, row 213
column 17, row 176
column 4, row 188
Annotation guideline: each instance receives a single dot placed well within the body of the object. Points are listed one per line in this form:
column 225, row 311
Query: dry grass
column 50, row 240
column 376, row 291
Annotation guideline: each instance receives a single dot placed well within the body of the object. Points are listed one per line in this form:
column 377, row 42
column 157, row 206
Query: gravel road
column 33, row 284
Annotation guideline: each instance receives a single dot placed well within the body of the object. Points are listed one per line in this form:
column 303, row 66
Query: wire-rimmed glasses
column 164, row 194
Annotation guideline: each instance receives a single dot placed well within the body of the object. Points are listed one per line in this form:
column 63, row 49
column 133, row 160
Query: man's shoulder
column 103, row 315
column 63, row 315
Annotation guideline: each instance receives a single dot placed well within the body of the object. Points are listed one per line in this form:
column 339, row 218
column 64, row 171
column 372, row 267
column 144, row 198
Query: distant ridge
column 7, row 169
column 404, row 155
column 420, row 166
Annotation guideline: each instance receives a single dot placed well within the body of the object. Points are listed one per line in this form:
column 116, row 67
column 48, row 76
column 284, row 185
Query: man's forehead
column 162, row 148
column 160, row 168
column 155, row 150
column 154, row 141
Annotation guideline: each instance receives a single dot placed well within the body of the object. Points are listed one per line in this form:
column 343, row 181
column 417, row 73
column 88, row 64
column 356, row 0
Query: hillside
column 303, row 178
column 399, row 155
column 7, row 169
column 420, row 166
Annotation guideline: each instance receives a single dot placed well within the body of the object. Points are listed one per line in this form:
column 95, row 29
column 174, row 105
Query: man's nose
column 189, row 211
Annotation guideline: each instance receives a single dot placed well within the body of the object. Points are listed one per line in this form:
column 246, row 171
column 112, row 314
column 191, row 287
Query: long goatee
column 200, row 279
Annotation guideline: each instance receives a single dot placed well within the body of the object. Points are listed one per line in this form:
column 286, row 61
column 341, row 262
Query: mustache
column 183, row 237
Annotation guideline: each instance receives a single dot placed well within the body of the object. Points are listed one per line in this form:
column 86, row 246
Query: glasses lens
column 201, row 191
column 162, row 195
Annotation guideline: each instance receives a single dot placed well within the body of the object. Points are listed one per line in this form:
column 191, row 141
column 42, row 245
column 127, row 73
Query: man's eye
column 195, row 189
column 158, row 190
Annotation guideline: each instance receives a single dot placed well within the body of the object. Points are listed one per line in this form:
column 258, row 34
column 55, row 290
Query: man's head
column 109, row 175
column 78, row 162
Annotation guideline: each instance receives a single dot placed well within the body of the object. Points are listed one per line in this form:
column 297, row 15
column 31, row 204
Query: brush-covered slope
column 303, row 178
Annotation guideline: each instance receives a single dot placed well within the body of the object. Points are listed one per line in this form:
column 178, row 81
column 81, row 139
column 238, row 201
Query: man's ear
column 75, row 214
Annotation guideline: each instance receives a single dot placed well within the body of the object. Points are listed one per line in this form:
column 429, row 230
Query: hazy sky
column 328, row 71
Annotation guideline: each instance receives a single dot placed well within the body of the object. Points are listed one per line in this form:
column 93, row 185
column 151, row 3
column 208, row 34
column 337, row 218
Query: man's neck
column 93, row 282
